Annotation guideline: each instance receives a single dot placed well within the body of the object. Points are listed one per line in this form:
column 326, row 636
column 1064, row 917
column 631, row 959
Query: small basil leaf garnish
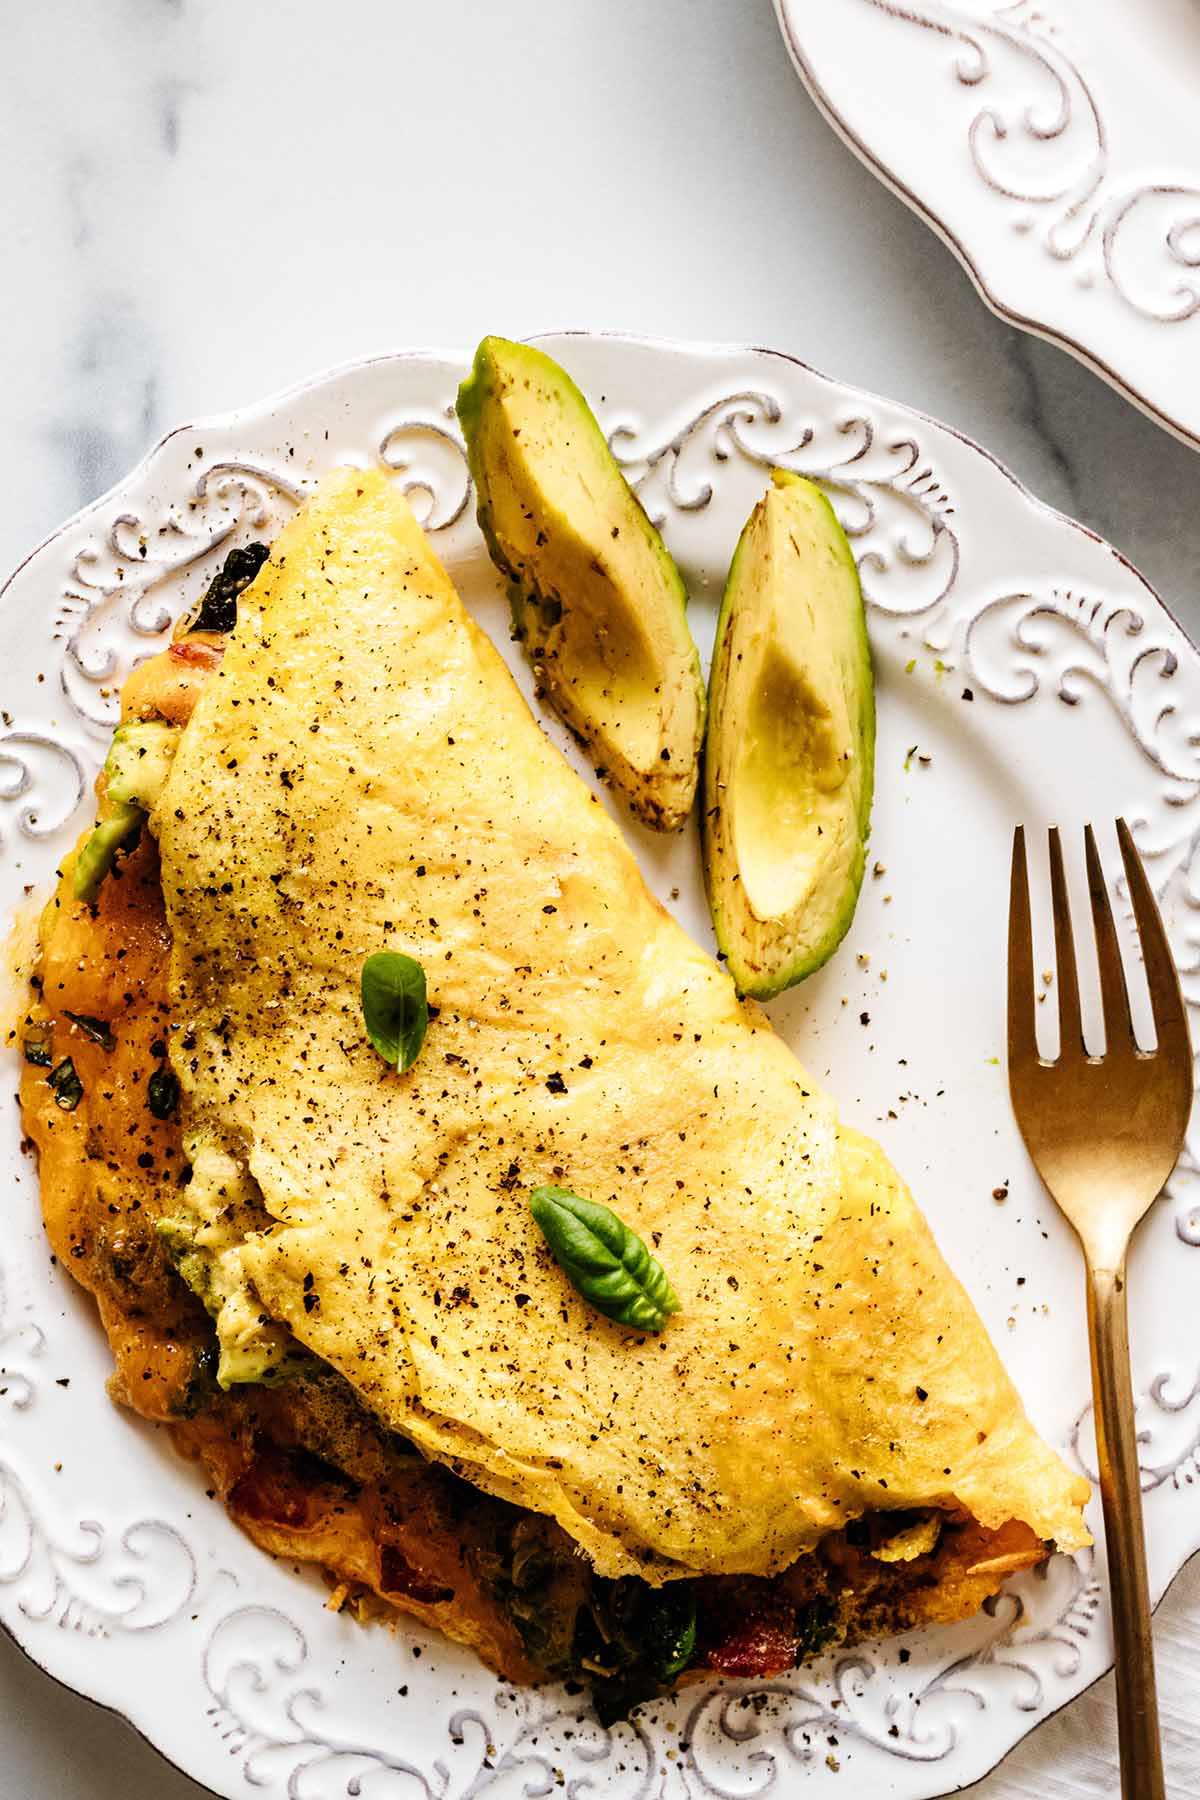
column 604, row 1259
column 218, row 609
column 162, row 1093
column 36, row 1048
column 68, row 1089
column 394, row 1006
column 96, row 1029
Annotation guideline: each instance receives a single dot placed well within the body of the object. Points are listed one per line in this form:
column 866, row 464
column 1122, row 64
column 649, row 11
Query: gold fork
column 1104, row 1133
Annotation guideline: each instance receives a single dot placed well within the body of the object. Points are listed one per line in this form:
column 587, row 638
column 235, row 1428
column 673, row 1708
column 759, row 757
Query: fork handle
column 1121, row 1494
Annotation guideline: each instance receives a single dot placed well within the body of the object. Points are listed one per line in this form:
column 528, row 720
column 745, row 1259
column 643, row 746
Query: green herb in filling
column 817, row 1624
column 669, row 1632
column 96, row 1029
column 68, row 1089
column 632, row 1641
column 35, row 1047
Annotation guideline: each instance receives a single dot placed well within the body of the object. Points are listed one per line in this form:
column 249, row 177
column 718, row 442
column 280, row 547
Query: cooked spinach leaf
column 219, row 607
column 96, row 1029
column 669, row 1630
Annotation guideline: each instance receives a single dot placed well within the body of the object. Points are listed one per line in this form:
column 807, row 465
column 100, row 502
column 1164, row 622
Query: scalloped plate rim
column 234, row 417
column 677, row 346
column 124, row 1718
column 924, row 210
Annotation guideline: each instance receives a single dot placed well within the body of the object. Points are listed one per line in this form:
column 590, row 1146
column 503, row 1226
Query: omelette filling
column 156, row 1225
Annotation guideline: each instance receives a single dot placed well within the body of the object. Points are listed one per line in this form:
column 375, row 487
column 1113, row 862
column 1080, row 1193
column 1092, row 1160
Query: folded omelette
column 363, row 774
column 323, row 1277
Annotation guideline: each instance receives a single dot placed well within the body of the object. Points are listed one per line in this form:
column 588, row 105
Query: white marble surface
column 202, row 201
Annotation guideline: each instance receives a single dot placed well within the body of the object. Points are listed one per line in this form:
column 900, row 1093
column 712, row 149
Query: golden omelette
column 362, row 773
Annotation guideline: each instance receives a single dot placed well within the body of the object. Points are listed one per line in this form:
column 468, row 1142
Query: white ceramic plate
column 1025, row 671
column 1054, row 147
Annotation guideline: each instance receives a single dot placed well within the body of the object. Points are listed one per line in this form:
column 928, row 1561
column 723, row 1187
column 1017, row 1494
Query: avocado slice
column 119, row 831
column 790, row 757
column 139, row 761
column 135, row 771
column 597, row 601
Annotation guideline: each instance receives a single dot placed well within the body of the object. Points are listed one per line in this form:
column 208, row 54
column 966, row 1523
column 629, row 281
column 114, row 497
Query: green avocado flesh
column 135, row 770
column 139, row 761
column 597, row 601
column 790, row 757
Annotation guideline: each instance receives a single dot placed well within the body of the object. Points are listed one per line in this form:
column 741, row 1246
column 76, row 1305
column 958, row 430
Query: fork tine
column 1118, row 1023
column 1022, row 1029
column 1070, row 1026
column 1162, row 977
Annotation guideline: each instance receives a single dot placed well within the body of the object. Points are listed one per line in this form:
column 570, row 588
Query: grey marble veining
column 113, row 409
column 1033, row 414
column 203, row 201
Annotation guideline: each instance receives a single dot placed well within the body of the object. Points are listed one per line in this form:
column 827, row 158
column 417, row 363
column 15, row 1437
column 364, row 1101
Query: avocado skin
column 658, row 783
column 119, row 831
column 766, row 956
column 474, row 392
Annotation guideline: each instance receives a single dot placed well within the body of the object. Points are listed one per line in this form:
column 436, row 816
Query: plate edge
column 1010, row 315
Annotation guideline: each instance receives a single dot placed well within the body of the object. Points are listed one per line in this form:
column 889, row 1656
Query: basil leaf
column 394, row 1006
column 670, row 1629
column 96, row 1029
column 218, row 609
column 604, row 1259
column 68, row 1089
column 162, row 1093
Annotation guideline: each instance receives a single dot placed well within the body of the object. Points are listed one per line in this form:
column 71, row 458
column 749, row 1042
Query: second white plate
column 1054, row 148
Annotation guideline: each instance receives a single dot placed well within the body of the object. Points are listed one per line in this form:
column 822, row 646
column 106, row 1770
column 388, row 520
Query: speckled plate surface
column 1053, row 146
column 1024, row 671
